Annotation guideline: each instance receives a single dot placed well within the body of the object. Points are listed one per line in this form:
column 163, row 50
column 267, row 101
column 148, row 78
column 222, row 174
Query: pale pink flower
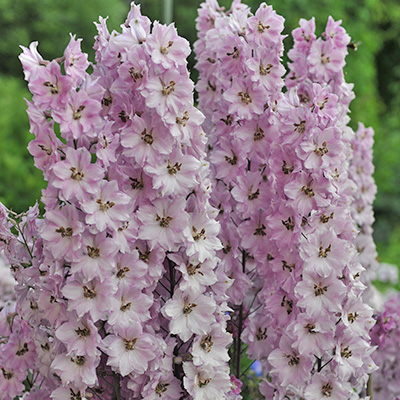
column 76, row 176
column 206, row 382
column 49, row 86
column 174, row 173
column 163, row 222
column 324, row 252
column 79, row 117
column 62, row 232
column 245, row 99
column 79, row 370
column 190, row 314
column 145, row 139
column 166, row 47
column 327, row 387
column 196, row 276
column 31, row 60
column 211, row 349
column 95, row 258
column 320, row 295
column 94, row 297
column 108, row 207
column 11, row 381
column 201, row 234
column 134, row 306
column 292, row 367
column 80, row 337
column 75, row 62
column 167, row 93
column 131, row 350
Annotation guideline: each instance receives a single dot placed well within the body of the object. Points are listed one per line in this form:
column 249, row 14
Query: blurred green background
column 374, row 69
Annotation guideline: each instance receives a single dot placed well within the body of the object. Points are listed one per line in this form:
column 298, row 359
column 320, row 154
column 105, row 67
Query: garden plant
column 217, row 248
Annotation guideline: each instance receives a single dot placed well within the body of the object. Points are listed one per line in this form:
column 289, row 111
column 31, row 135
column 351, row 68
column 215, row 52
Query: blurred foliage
column 50, row 22
column 20, row 181
column 374, row 69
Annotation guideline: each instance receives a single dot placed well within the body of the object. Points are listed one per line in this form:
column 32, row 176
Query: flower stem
column 370, row 389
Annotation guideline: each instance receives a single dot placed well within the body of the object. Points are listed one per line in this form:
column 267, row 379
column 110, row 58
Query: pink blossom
column 190, row 314
column 167, row 93
column 94, row 297
column 131, row 350
column 75, row 62
column 49, row 86
column 76, row 176
column 62, row 232
column 77, row 369
column 162, row 223
column 245, row 99
column 107, row 208
column 166, row 47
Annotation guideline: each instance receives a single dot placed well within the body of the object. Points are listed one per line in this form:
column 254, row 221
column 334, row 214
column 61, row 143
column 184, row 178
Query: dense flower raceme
column 386, row 335
column 239, row 60
column 361, row 171
column 308, row 325
column 118, row 290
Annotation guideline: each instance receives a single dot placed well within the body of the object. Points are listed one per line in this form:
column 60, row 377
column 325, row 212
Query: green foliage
column 20, row 181
column 50, row 22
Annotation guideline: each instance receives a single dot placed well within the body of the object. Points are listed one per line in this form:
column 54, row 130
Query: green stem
column 370, row 389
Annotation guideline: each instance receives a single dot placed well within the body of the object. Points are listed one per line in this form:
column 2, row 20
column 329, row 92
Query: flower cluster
column 386, row 336
column 281, row 173
column 151, row 254
column 361, row 171
column 239, row 60
column 119, row 294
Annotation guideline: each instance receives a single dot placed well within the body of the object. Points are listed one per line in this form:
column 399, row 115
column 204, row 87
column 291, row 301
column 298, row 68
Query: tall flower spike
column 116, row 280
column 239, row 61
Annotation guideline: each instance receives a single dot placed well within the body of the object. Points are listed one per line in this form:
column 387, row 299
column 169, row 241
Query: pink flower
column 107, row 208
column 163, row 222
column 62, row 232
column 94, row 297
column 75, row 62
column 327, row 387
column 265, row 26
column 167, row 93
column 321, row 149
column 146, row 139
column 206, row 382
column 76, row 176
column 79, row 370
column 174, row 173
column 324, row 252
column 245, row 99
column 196, row 276
column 320, row 295
column 49, row 86
column 134, row 306
column 11, row 381
column 79, row 117
column 308, row 192
column 201, row 234
column 95, row 258
column 166, row 47
column 190, row 314
column 291, row 366
column 80, row 337
column 131, row 350
column 31, row 60
column 211, row 349
column 325, row 59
